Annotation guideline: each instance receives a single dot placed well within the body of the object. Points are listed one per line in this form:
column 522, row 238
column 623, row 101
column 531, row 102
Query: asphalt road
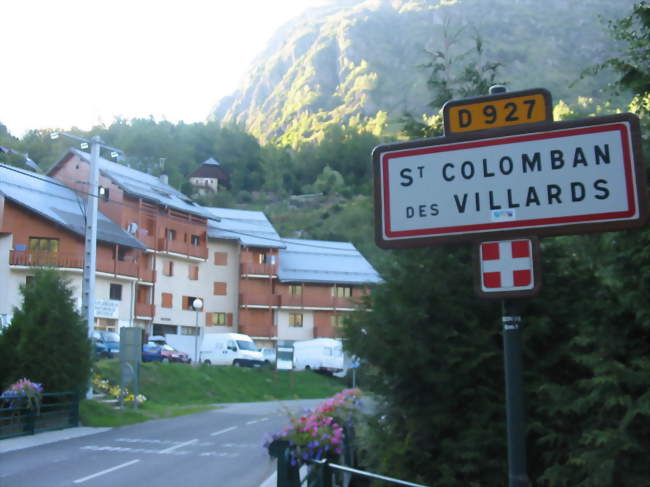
column 219, row 448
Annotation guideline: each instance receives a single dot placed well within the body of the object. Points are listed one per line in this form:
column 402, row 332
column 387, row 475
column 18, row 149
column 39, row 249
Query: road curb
column 30, row 441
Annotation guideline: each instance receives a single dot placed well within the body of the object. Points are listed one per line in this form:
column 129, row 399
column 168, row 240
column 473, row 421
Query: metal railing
column 324, row 472
column 57, row 410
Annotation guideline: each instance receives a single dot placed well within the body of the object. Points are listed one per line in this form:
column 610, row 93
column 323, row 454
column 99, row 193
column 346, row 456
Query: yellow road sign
column 502, row 110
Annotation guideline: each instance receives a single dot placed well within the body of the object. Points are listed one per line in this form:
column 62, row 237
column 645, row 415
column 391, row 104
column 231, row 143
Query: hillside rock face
column 360, row 62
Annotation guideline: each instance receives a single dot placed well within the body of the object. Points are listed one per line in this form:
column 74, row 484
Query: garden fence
column 57, row 410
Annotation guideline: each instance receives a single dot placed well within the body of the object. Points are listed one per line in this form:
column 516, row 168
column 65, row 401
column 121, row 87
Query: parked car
column 107, row 343
column 170, row 354
column 230, row 349
column 269, row 355
column 152, row 352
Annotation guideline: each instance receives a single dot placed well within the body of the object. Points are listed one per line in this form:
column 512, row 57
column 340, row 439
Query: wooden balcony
column 119, row 267
column 306, row 301
column 148, row 240
column 46, row 259
column 182, row 248
column 144, row 309
column 257, row 329
column 148, row 275
column 293, row 301
column 250, row 299
column 258, row 269
column 74, row 261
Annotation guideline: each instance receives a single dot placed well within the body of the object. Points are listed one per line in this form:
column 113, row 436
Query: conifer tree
column 47, row 340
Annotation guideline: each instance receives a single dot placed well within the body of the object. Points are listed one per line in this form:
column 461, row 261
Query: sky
column 79, row 63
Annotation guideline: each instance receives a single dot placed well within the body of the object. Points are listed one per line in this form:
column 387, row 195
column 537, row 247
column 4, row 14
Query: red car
column 170, row 354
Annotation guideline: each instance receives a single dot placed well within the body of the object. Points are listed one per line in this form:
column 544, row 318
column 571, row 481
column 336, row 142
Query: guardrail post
column 74, row 412
column 287, row 475
column 30, row 421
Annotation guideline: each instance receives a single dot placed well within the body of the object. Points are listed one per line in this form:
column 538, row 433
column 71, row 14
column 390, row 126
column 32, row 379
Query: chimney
column 164, row 179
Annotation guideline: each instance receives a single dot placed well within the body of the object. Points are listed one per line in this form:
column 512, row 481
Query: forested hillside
column 364, row 62
column 336, row 82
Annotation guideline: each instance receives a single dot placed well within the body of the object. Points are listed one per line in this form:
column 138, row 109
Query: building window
column 218, row 319
column 295, row 290
column 164, row 329
column 220, row 258
column 295, row 319
column 115, row 292
column 194, row 272
column 168, row 268
column 167, row 300
column 195, row 240
column 170, row 234
column 187, row 302
column 189, row 330
column 264, row 258
column 220, row 288
column 29, row 280
column 342, row 291
column 37, row 244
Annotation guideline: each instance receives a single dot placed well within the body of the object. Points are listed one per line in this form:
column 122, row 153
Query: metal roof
column 321, row 261
column 145, row 185
column 251, row 228
column 52, row 200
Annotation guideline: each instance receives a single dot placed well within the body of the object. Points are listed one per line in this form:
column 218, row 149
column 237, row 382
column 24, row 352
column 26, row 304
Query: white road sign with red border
column 573, row 177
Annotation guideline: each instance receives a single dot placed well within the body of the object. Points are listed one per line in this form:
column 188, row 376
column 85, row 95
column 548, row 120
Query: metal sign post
column 515, row 411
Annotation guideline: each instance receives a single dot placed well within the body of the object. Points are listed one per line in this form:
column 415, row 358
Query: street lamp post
column 197, row 304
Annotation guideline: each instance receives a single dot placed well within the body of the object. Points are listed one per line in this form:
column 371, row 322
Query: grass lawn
column 177, row 389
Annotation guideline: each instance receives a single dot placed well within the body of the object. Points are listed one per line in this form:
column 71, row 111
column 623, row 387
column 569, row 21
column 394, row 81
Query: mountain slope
column 359, row 62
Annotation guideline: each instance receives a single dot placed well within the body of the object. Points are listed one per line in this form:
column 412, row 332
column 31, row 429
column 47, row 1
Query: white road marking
column 180, row 445
column 219, row 454
column 103, row 472
column 216, row 433
column 255, row 421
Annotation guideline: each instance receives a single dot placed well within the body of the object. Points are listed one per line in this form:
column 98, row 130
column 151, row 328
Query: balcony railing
column 118, row 267
column 259, row 269
column 257, row 329
column 46, row 259
column 75, row 261
column 306, row 301
column 148, row 275
column 148, row 240
column 250, row 299
column 144, row 309
column 182, row 248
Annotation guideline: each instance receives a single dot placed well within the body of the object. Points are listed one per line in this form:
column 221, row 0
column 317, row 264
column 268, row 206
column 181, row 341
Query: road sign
column 560, row 178
column 508, row 268
column 493, row 111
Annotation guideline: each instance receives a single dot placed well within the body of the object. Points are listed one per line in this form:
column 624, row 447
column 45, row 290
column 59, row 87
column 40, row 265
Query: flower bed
column 103, row 386
column 318, row 434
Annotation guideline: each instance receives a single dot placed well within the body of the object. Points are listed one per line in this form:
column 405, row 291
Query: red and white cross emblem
column 507, row 266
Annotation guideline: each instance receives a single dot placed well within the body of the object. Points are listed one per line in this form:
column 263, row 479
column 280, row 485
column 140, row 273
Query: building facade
column 158, row 251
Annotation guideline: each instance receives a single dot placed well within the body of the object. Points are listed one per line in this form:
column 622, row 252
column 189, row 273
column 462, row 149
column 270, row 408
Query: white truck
column 319, row 354
column 230, row 349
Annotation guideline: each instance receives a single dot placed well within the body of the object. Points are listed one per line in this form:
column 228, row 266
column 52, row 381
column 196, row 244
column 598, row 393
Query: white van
column 323, row 354
column 230, row 349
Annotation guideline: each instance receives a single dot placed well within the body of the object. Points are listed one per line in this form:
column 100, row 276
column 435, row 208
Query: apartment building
column 158, row 251
column 290, row 289
column 169, row 224
column 42, row 225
